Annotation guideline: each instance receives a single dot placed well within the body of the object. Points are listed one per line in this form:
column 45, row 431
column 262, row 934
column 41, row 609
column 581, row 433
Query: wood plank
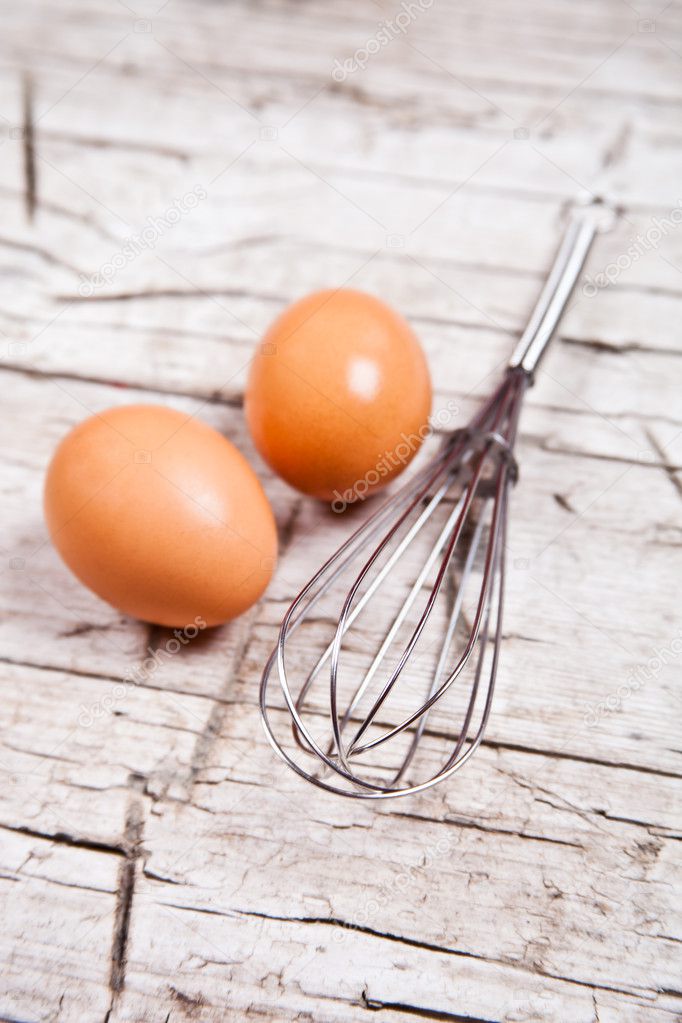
column 157, row 861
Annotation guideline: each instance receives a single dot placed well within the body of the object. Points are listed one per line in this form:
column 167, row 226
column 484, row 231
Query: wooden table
column 157, row 863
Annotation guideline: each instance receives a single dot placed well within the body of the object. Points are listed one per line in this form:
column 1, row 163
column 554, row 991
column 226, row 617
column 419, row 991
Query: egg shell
column 161, row 516
column 339, row 394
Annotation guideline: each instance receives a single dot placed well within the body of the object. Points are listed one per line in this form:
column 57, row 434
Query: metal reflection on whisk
column 461, row 496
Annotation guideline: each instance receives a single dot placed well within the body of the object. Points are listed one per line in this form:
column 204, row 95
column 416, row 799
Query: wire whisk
column 422, row 600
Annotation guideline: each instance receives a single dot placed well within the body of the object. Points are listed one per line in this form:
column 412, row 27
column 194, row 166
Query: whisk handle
column 555, row 293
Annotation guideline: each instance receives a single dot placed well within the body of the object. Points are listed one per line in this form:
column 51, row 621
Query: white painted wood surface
column 156, row 862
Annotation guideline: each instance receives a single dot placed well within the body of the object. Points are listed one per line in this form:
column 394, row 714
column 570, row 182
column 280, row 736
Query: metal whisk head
column 412, row 604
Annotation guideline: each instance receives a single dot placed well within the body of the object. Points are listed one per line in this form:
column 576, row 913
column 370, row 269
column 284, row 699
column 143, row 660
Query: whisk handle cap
column 556, row 292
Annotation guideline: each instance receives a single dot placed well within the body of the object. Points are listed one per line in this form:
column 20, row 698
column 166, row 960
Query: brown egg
column 161, row 516
column 339, row 395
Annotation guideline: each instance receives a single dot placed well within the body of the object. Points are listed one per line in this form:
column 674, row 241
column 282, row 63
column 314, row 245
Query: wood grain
column 157, row 864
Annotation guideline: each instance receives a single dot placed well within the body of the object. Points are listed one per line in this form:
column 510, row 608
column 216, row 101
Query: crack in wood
column 132, row 845
column 564, row 503
column 665, row 464
column 461, row 822
column 581, row 758
column 595, row 1007
column 498, row 329
column 214, row 398
column 29, row 147
column 36, row 250
column 519, row 964
column 63, row 838
column 156, row 293
column 125, row 145
column 378, row 1005
column 626, row 347
column 83, row 628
